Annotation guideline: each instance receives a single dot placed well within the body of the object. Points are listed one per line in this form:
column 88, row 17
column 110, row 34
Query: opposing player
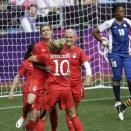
column 37, row 82
column 58, row 84
column 119, row 48
column 77, row 59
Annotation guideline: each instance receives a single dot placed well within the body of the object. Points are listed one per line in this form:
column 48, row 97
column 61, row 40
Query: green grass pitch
column 96, row 112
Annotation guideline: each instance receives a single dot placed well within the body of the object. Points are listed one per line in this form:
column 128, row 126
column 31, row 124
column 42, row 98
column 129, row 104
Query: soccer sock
column 69, row 123
column 77, row 124
column 116, row 90
column 26, row 109
column 129, row 86
column 126, row 104
column 54, row 119
column 40, row 126
column 31, row 125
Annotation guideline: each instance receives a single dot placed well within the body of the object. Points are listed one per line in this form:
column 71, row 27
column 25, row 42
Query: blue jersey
column 118, row 35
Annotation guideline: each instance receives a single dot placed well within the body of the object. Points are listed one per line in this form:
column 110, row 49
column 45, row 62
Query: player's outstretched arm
column 13, row 86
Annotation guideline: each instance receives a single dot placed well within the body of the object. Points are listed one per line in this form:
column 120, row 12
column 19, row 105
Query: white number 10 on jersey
column 59, row 68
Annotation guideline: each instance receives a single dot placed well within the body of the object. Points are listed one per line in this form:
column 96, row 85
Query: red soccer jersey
column 40, row 47
column 26, row 69
column 77, row 58
column 58, row 76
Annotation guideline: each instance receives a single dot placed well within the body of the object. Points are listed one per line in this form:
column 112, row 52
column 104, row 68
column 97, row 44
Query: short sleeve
column 106, row 25
column 128, row 21
column 83, row 56
column 21, row 69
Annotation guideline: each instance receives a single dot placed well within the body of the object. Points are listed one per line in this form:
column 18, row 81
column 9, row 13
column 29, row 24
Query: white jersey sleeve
column 106, row 25
column 128, row 21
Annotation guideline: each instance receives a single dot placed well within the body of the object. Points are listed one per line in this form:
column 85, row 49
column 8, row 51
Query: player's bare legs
column 26, row 109
column 68, row 120
column 74, row 118
column 54, row 119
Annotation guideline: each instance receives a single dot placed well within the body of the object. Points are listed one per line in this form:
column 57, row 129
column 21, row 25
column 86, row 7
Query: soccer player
column 26, row 68
column 58, row 84
column 37, row 82
column 119, row 48
column 77, row 59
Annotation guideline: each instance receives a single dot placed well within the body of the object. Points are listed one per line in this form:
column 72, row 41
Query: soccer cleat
column 117, row 104
column 20, row 122
column 121, row 112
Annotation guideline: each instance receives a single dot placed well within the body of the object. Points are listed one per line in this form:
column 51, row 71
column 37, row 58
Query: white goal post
column 77, row 14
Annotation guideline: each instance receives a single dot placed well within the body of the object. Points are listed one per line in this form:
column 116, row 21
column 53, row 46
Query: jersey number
column 121, row 32
column 59, row 70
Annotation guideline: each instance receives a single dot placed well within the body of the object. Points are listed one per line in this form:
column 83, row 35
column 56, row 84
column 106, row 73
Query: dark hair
column 115, row 7
column 29, row 51
column 32, row 5
column 43, row 25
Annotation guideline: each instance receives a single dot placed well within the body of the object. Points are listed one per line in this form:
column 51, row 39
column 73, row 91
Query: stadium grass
column 97, row 113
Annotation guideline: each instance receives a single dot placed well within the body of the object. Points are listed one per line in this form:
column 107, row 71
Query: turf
column 96, row 112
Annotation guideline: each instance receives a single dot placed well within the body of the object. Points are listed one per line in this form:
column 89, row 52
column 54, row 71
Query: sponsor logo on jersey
column 115, row 26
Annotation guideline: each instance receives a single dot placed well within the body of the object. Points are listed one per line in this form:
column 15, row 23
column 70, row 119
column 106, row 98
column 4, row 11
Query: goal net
column 76, row 14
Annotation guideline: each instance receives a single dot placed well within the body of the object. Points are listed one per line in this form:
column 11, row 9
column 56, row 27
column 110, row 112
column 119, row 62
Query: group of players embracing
column 52, row 70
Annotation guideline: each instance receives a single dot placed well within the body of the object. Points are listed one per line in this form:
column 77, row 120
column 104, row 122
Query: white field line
column 86, row 100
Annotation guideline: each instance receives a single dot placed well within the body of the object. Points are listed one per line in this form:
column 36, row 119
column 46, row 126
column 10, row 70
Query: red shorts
column 38, row 102
column 36, row 85
column 62, row 97
column 78, row 92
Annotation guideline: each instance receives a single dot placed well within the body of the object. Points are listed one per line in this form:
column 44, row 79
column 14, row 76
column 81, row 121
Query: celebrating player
column 119, row 48
column 77, row 58
column 37, row 81
column 26, row 68
column 58, row 84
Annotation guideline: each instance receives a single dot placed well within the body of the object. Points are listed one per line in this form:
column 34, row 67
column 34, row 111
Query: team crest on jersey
column 124, row 25
column 74, row 55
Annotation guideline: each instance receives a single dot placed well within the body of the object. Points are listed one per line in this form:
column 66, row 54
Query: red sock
column 54, row 119
column 40, row 125
column 70, row 124
column 26, row 109
column 31, row 125
column 77, row 124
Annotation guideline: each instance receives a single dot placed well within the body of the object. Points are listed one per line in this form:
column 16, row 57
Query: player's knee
column 116, row 82
column 71, row 112
column 31, row 98
column 34, row 115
